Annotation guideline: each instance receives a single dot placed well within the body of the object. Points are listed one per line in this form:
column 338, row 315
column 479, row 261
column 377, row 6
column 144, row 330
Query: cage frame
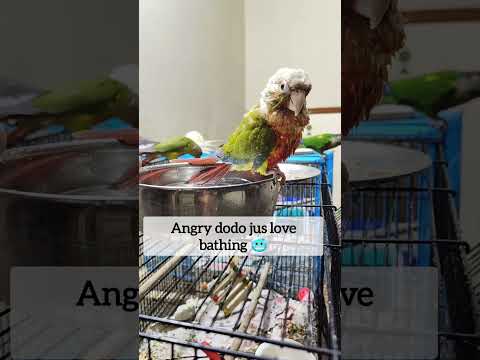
column 448, row 247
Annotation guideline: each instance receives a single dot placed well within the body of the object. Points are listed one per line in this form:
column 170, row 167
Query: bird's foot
column 279, row 175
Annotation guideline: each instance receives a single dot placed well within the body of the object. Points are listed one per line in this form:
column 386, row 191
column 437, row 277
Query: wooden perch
column 165, row 269
column 248, row 316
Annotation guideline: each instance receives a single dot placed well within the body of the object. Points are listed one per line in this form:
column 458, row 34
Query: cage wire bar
column 187, row 280
column 413, row 221
column 4, row 334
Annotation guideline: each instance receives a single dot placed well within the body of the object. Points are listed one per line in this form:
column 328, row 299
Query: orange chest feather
column 288, row 130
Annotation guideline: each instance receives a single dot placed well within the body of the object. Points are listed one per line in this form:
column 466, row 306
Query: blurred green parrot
column 81, row 105
column 322, row 142
column 177, row 146
column 78, row 107
column 434, row 92
column 170, row 149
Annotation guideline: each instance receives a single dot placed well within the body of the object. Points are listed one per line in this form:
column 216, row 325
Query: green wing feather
column 172, row 144
column 426, row 93
column 251, row 143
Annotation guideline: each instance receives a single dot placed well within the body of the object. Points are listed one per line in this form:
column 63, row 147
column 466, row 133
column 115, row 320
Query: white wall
column 192, row 67
column 300, row 33
column 450, row 46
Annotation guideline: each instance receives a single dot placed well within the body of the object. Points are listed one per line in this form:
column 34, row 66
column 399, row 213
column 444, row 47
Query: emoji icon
column 259, row 245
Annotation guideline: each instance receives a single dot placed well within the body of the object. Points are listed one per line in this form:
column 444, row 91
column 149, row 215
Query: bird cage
column 293, row 286
column 412, row 222
column 304, row 198
column 4, row 334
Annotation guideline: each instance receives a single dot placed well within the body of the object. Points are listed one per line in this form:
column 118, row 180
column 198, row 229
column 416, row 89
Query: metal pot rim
column 270, row 178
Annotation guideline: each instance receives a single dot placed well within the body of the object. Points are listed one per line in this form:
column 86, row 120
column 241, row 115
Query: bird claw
column 278, row 174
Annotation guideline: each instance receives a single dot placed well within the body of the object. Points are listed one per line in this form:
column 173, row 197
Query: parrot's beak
column 297, row 101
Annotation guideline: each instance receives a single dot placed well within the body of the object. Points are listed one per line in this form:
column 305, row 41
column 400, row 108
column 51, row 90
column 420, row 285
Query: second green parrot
column 434, row 92
column 177, row 146
column 78, row 106
column 322, row 142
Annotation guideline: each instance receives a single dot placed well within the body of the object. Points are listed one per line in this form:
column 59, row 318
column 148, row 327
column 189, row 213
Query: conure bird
column 322, row 142
column 271, row 131
column 79, row 106
column 434, row 92
column 177, row 146
column 171, row 149
column 95, row 100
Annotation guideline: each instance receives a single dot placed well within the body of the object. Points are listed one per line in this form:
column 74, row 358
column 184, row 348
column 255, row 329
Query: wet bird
column 270, row 132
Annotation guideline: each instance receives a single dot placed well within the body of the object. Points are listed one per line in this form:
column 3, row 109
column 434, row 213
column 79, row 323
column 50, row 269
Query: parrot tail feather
column 150, row 177
column 210, row 176
column 39, row 168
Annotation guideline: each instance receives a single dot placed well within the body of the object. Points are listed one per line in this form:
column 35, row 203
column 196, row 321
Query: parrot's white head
column 288, row 89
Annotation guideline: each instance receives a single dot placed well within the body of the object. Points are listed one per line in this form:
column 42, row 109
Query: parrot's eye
column 284, row 87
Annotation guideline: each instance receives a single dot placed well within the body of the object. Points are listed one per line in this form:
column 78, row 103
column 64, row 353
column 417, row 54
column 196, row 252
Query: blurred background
column 442, row 35
column 60, row 48
column 58, row 42
column 401, row 213
column 450, row 38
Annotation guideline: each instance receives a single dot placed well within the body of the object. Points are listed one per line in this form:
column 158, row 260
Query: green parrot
column 177, row 146
column 322, row 142
column 81, row 96
column 271, row 131
column 79, row 106
column 434, row 92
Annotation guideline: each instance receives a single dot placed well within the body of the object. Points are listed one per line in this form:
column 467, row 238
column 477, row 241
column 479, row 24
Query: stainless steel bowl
column 68, row 213
column 234, row 196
